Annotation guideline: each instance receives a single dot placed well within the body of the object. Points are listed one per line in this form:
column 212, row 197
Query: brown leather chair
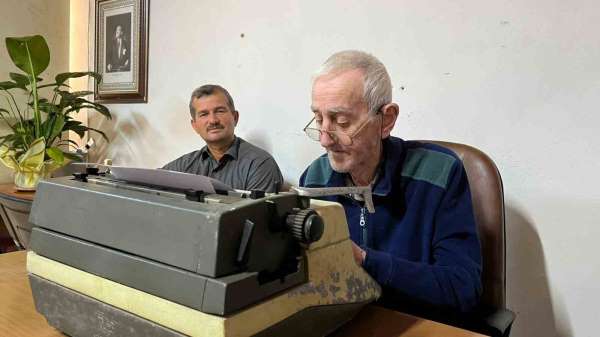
column 492, row 316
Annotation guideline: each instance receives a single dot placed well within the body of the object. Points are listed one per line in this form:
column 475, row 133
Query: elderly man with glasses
column 421, row 244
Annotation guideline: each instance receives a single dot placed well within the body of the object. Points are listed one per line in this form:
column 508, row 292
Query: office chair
column 491, row 317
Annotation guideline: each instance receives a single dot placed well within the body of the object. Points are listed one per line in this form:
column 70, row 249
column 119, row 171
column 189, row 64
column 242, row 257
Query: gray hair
column 207, row 90
column 377, row 85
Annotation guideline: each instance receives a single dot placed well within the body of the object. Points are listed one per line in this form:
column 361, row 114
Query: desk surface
column 19, row 318
column 10, row 191
column 17, row 313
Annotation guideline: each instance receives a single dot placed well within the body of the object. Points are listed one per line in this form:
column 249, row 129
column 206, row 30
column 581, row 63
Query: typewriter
column 131, row 257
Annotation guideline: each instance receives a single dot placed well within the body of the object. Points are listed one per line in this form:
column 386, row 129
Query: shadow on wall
column 259, row 139
column 6, row 175
column 528, row 290
column 133, row 141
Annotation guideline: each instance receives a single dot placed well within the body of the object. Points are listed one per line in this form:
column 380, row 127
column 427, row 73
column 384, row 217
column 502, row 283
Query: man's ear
column 236, row 116
column 390, row 114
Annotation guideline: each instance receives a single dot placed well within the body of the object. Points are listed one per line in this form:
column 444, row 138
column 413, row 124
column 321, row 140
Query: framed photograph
column 121, row 51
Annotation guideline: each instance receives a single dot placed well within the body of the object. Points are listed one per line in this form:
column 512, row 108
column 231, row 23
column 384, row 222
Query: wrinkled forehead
column 338, row 92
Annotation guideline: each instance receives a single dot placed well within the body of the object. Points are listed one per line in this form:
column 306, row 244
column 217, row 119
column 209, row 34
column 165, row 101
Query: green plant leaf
column 53, row 85
column 79, row 129
column 49, row 108
column 70, row 142
column 56, row 154
column 57, row 127
column 30, row 53
column 71, row 102
column 21, row 81
column 7, row 85
column 23, row 133
column 42, row 119
column 99, row 132
column 102, row 110
column 72, row 156
column 73, row 98
column 67, row 99
column 91, row 105
column 81, row 93
column 71, row 123
column 63, row 77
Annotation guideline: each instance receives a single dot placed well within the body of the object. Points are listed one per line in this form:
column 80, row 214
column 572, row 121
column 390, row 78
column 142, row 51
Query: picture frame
column 121, row 51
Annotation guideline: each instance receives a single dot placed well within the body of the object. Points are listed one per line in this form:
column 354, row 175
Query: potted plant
column 33, row 148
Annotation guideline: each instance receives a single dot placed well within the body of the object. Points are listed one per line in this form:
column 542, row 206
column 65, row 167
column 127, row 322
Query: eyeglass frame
column 350, row 136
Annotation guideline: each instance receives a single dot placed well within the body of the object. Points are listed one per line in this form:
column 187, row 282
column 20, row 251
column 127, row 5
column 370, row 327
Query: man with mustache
column 225, row 157
column 421, row 244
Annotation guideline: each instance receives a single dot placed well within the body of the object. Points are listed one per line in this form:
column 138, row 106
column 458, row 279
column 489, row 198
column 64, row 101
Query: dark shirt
column 118, row 58
column 243, row 167
column 421, row 242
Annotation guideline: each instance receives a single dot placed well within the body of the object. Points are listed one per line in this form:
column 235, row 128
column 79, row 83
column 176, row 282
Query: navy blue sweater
column 421, row 242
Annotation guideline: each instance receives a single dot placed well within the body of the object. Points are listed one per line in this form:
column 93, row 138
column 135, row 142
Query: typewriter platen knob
column 305, row 225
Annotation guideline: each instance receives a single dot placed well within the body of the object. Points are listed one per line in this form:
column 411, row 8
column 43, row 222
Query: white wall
column 32, row 17
column 518, row 79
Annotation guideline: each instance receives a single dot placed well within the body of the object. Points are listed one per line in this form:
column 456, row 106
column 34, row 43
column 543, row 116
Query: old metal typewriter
column 111, row 257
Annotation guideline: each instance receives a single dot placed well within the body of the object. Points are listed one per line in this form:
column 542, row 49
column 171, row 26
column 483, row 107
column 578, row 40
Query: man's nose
column 213, row 118
column 326, row 140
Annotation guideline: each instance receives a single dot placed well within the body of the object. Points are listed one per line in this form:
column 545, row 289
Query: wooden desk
column 14, row 210
column 17, row 312
column 10, row 190
column 19, row 318
column 374, row 321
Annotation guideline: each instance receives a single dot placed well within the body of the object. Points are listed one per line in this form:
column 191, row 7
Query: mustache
column 215, row 127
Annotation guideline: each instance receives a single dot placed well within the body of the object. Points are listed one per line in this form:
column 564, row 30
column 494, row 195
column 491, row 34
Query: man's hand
column 359, row 254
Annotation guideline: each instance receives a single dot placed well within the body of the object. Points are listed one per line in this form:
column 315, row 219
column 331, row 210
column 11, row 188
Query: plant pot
column 27, row 179
column 30, row 167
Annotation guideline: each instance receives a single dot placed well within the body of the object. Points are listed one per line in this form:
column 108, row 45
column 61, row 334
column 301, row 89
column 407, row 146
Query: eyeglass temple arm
column 365, row 191
column 306, row 126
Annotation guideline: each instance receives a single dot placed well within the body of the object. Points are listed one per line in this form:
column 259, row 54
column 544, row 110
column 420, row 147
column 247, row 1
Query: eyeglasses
column 337, row 136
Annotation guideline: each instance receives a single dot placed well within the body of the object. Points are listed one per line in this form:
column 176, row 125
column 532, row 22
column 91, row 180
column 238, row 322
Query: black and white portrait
column 118, row 43
column 121, row 50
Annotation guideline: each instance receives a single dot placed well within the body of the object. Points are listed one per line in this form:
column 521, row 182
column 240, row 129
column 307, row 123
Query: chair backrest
column 488, row 206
